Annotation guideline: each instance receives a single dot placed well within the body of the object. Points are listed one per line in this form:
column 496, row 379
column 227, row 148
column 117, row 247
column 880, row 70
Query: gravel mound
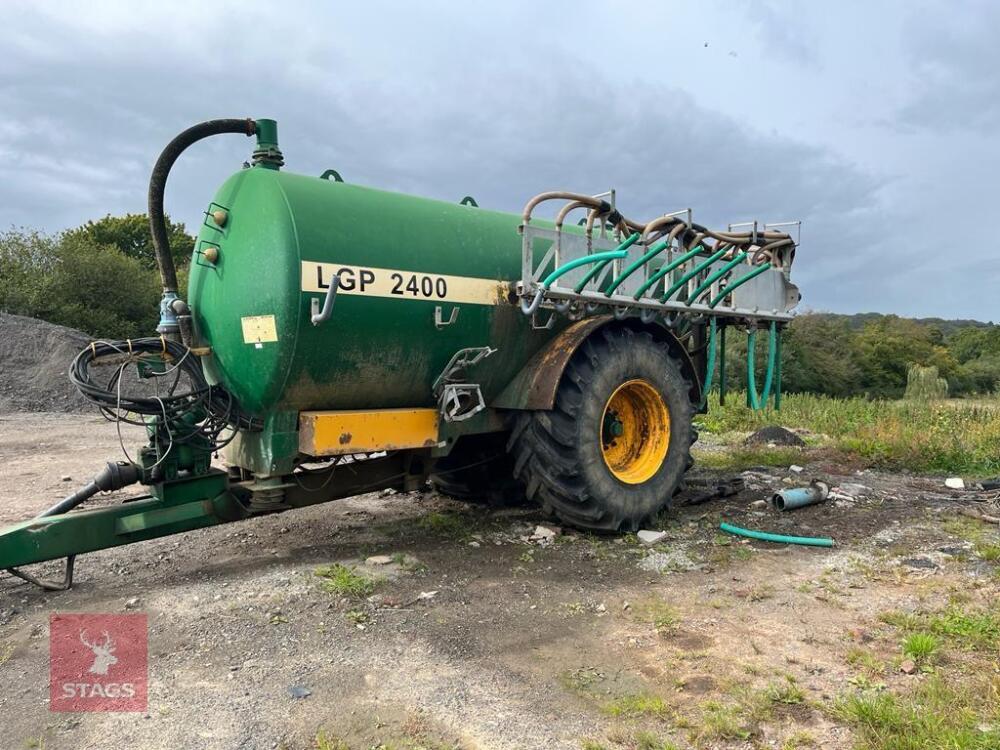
column 34, row 359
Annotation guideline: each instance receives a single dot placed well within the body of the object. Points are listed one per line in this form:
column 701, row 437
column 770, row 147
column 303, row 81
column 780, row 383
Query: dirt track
column 522, row 646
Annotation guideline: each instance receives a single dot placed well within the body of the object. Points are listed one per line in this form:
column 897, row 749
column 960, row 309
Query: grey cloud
column 781, row 31
column 90, row 120
column 954, row 59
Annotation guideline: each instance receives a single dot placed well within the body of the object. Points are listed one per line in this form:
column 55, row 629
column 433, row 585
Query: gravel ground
column 525, row 644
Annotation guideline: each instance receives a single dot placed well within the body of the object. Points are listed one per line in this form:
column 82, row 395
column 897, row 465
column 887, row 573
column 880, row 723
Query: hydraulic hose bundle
column 205, row 410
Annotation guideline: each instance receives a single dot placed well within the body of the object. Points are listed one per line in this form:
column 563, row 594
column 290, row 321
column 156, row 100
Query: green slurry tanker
column 337, row 340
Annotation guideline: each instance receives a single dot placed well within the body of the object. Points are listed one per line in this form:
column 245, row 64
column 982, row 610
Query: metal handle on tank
column 321, row 316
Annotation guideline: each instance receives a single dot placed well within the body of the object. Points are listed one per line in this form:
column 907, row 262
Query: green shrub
column 100, row 278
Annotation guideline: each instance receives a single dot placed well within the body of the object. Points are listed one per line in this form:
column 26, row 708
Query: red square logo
column 97, row 662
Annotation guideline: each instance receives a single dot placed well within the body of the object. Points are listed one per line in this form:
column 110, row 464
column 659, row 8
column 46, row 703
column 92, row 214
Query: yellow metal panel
column 332, row 433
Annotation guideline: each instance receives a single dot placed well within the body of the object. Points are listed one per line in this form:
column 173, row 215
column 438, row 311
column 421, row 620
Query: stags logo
column 103, row 653
column 90, row 673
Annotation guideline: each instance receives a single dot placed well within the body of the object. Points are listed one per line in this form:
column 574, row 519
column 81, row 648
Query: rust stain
column 345, row 438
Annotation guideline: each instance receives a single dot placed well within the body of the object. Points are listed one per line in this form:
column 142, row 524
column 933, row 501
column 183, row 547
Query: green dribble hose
column 691, row 274
column 722, row 366
column 655, row 250
column 777, row 375
column 600, row 266
column 619, row 252
column 667, row 269
column 710, row 365
column 739, row 282
column 713, row 277
column 759, row 402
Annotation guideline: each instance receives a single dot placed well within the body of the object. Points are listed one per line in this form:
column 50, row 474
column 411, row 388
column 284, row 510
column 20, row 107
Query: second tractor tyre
column 478, row 470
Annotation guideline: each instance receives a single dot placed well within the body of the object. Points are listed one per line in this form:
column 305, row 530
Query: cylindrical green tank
column 277, row 238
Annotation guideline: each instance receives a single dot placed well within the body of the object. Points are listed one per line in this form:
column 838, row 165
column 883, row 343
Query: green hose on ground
column 766, row 536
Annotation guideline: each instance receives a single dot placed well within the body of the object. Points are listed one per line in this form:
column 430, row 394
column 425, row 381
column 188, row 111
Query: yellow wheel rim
column 635, row 432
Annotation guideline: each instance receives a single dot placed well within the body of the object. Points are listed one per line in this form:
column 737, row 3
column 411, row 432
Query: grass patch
column 723, row 721
column 445, row 524
column 339, row 579
column 951, row 436
column 760, row 592
column 580, row 680
column 865, row 661
column 798, row 740
column 650, row 741
column 325, row 742
column 788, row 693
column 6, row 651
column 637, row 706
column 964, row 528
column 740, row 718
column 358, row 616
column 977, row 630
column 657, row 613
column 741, row 457
column 937, row 714
column 989, row 551
column 920, row 647
column 409, row 564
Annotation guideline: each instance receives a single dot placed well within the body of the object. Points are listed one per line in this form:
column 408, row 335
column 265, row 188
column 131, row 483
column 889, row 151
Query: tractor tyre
column 614, row 448
column 478, row 470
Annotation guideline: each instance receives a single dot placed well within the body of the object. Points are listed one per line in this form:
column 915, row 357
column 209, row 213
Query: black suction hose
column 113, row 476
column 158, row 183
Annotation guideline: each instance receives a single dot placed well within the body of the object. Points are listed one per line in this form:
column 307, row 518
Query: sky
column 875, row 124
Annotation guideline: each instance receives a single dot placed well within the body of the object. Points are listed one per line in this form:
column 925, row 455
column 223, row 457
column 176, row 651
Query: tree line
column 101, row 278
column 838, row 355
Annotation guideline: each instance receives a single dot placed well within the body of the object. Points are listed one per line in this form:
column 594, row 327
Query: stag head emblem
column 104, row 653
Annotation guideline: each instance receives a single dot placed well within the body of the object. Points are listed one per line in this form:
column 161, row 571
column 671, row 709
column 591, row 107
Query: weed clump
column 345, row 581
